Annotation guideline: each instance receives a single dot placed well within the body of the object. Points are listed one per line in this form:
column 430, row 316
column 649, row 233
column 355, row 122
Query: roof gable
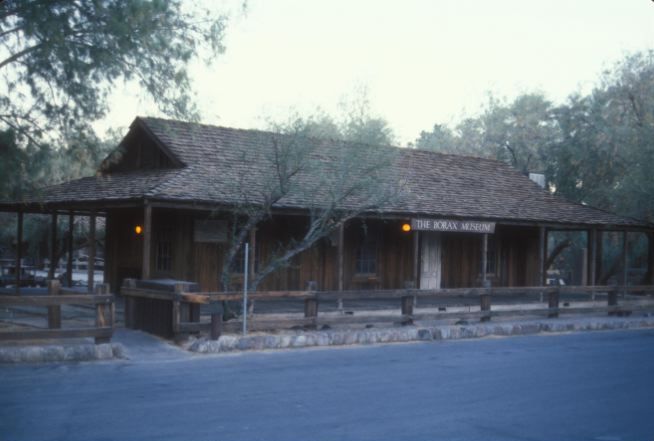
column 140, row 149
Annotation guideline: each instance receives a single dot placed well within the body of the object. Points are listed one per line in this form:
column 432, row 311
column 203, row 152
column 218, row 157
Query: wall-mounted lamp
column 406, row 227
column 138, row 229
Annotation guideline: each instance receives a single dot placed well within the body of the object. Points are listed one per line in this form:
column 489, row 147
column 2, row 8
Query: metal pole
column 245, row 291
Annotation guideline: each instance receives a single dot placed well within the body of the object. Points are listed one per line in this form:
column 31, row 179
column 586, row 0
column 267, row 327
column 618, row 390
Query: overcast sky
column 422, row 61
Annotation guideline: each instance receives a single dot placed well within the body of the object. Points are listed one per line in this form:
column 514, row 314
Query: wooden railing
column 620, row 300
column 57, row 296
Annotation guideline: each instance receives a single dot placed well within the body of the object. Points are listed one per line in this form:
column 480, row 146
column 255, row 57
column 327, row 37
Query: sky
column 422, row 62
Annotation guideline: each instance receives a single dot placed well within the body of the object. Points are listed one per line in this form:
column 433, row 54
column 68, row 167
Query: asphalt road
column 590, row 386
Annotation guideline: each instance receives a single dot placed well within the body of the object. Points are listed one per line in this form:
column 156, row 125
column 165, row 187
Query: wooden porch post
column 541, row 256
column 69, row 246
column 251, row 266
column 650, row 259
column 340, row 251
column 625, row 262
column 416, row 258
column 341, row 245
column 600, row 254
column 252, row 252
column 53, row 246
column 147, row 241
column 19, row 249
column 592, row 256
column 91, row 261
column 484, row 259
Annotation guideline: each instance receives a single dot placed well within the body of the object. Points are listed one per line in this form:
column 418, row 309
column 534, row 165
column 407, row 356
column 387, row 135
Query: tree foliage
column 59, row 59
column 335, row 185
column 605, row 156
column 355, row 122
column 595, row 148
column 519, row 133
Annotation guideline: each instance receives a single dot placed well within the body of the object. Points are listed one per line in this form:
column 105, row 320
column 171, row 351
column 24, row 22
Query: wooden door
column 430, row 260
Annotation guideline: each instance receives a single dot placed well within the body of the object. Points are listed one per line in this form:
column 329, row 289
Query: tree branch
column 20, row 54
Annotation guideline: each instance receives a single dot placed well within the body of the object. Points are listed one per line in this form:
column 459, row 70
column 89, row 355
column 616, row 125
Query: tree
column 334, row 182
column 358, row 122
column 355, row 122
column 519, row 133
column 440, row 139
column 607, row 147
column 59, row 59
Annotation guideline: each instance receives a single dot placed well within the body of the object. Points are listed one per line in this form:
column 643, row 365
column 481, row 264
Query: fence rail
column 105, row 313
column 549, row 305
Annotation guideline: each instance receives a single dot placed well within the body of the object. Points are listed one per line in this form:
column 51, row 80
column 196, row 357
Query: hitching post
column 245, row 291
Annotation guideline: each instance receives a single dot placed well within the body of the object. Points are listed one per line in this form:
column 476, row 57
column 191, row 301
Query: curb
column 59, row 353
column 230, row 343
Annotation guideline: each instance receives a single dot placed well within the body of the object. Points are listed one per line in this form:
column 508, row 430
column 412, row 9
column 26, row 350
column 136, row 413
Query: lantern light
column 406, row 227
column 138, row 229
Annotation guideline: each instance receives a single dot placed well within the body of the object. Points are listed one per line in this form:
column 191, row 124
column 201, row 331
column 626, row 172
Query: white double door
column 430, row 260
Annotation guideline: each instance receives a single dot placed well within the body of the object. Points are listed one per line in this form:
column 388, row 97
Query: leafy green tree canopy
column 355, row 122
column 595, row 148
column 607, row 148
column 517, row 132
column 59, row 59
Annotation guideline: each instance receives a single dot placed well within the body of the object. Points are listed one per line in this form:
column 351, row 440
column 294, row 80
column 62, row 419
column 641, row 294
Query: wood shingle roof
column 222, row 166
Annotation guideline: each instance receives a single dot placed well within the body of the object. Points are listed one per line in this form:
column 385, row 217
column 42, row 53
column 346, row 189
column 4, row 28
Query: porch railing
column 482, row 304
column 57, row 296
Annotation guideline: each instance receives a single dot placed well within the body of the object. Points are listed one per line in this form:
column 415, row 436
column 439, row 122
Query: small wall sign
column 210, row 231
column 453, row 225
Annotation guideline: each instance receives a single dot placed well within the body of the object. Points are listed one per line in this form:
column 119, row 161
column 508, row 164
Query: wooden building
column 473, row 221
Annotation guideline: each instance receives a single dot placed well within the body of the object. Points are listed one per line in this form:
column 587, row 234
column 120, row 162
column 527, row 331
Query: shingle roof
column 224, row 166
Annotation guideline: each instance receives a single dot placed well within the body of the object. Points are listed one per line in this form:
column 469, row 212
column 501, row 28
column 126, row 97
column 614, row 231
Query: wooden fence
column 619, row 301
column 57, row 296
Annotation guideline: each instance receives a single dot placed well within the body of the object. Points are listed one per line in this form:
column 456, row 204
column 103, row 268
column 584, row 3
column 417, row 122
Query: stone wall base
column 303, row 339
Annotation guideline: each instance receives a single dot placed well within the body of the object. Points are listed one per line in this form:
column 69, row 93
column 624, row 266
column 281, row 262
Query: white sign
column 453, row 225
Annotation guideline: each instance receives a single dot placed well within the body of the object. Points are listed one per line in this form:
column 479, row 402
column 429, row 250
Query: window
column 366, row 262
column 164, row 256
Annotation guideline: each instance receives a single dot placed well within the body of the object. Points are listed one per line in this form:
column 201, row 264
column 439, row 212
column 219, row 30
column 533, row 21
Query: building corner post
column 19, row 248
column 91, row 257
column 147, row 241
column 542, row 255
column 69, row 249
